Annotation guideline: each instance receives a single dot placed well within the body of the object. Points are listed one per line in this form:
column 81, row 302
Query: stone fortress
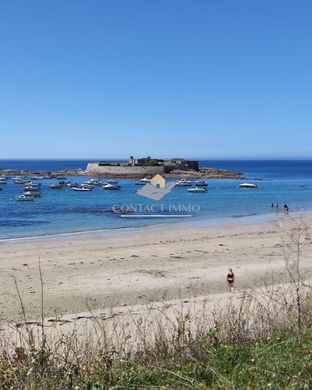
column 141, row 166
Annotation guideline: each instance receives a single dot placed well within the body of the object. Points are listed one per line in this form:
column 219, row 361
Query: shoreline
column 203, row 221
column 148, row 265
column 203, row 173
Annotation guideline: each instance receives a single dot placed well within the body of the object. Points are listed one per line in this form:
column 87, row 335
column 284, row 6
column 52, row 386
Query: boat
column 35, row 194
column 111, row 181
column 55, row 186
column 71, row 184
column 20, row 180
column 82, row 189
column 24, row 198
column 111, row 187
column 201, row 183
column 89, row 183
column 94, row 182
column 142, row 182
column 32, row 188
column 197, row 189
column 36, row 177
column 3, row 181
column 183, row 183
column 247, row 185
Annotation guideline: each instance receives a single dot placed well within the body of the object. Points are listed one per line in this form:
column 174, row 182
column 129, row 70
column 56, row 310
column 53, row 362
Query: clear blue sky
column 196, row 78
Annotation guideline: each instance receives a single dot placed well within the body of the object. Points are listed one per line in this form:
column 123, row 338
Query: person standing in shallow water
column 230, row 280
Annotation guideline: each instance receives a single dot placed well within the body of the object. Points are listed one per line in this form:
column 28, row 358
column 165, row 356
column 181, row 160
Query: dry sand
column 146, row 265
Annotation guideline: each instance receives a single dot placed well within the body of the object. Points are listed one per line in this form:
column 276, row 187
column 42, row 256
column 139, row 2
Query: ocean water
column 66, row 211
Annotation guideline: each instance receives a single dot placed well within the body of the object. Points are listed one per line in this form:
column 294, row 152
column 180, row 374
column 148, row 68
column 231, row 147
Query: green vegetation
column 261, row 340
column 282, row 361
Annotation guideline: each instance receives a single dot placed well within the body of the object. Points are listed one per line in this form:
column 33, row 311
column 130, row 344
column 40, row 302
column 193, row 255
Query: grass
column 263, row 341
column 281, row 361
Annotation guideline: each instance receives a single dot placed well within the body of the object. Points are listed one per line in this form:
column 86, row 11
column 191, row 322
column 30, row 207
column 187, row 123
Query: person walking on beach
column 230, row 280
column 286, row 208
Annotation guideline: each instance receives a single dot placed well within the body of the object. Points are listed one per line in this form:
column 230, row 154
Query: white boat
column 24, row 198
column 247, row 185
column 3, row 181
column 71, row 184
column 197, row 189
column 201, row 183
column 35, row 194
column 183, row 183
column 142, row 182
column 111, row 181
column 31, row 188
column 20, row 181
column 36, row 177
column 82, row 189
column 111, row 187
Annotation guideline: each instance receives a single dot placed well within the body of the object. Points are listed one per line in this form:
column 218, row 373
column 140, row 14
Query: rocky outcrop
column 205, row 173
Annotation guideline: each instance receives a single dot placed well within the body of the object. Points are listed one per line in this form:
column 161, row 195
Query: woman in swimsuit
column 230, row 280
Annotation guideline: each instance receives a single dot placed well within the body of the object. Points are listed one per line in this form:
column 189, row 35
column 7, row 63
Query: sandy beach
column 138, row 267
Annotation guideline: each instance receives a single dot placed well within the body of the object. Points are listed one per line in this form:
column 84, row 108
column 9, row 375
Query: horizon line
column 294, row 158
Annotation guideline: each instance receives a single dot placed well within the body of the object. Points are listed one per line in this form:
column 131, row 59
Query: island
column 137, row 168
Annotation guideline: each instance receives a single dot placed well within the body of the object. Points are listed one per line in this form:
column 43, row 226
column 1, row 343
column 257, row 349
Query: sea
column 64, row 211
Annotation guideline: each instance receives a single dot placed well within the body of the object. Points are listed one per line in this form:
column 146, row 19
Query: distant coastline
column 131, row 169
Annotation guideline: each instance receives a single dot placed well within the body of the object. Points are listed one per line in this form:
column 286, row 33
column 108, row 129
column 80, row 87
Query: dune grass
column 261, row 341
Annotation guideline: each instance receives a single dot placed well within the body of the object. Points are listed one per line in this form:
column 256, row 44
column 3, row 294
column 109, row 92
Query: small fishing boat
column 34, row 177
column 142, row 182
column 24, row 198
column 35, row 194
column 94, row 182
column 201, row 183
column 55, row 186
column 197, row 189
column 111, row 187
column 183, row 183
column 32, row 188
column 82, row 189
column 72, row 184
column 247, row 185
column 20, row 180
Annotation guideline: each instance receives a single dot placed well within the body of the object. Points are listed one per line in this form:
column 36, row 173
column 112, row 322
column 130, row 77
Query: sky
column 190, row 78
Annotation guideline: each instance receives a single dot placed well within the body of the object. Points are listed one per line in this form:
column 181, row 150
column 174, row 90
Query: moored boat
column 24, row 198
column 197, row 189
column 142, row 182
column 247, row 185
column 82, row 189
column 55, row 186
column 183, row 183
column 111, row 187
column 201, row 183
column 35, row 194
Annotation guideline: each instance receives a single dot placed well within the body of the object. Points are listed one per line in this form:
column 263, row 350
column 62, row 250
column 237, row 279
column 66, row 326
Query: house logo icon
column 156, row 189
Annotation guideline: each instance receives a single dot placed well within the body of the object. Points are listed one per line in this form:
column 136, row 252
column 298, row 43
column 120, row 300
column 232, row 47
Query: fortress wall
column 94, row 168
